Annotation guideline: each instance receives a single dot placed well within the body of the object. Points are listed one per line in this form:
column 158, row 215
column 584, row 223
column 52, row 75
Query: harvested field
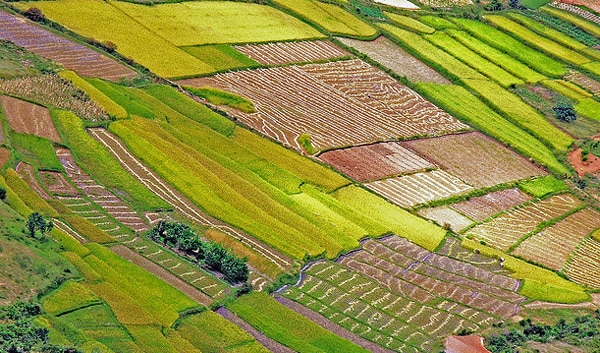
column 376, row 161
column 583, row 267
column 569, row 5
column 57, row 184
column 292, row 52
column 101, row 196
column 552, row 246
column 161, row 273
column 482, row 207
column 52, row 90
column 584, row 81
column 453, row 249
column 592, row 165
column 390, row 55
column 414, row 189
column 27, row 173
column 488, row 163
column 28, row 118
column 73, row 56
column 446, row 216
column 4, row 152
column 504, row 230
column 328, row 101
column 153, row 182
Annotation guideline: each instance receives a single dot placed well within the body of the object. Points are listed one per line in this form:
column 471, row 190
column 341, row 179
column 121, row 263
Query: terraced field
column 411, row 190
column 29, row 118
column 328, row 101
column 482, row 207
column 583, row 265
column 503, row 231
column 446, row 217
column 291, row 52
column 72, row 55
column 552, row 246
column 384, row 160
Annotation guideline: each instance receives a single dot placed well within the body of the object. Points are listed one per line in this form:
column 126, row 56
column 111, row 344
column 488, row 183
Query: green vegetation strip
column 410, row 23
column 37, row 151
column 31, row 198
column 112, row 108
column 462, row 104
column 100, row 163
column 539, row 283
column 288, row 327
column 218, row 97
column 70, row 296
column 543, row 186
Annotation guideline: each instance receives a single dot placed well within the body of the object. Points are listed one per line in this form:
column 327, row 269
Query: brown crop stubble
column 29, row 118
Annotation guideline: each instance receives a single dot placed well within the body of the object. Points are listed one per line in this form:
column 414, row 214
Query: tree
column 37, row 222
column 564, row 111
column 34, row 14
column 2, row 194
column 514, row 4
column 495, row 5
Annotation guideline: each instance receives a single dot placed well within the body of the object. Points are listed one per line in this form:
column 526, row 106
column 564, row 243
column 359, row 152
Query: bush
column 565, row 111
column 2, row 193
column 34, row 14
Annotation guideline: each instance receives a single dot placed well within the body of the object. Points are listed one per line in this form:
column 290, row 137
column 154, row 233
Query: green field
column 220, row 56
column 462, row 104
column 111, row 107
column 36, row 151
column 410, row 23
column 588, row 26
column 70, row 296
column 534, row 4
column 548, row 32
column 543, row 186
column 288, row 327
column 31, row 198
column 511, row 46
column 330, row 17
column 472, row 59
column 498, row 57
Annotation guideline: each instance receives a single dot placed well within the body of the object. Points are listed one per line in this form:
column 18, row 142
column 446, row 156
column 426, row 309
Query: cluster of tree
column 565, row 111
column 19, row 334
column 582, row 332
column 36, row 222
column 212, row 255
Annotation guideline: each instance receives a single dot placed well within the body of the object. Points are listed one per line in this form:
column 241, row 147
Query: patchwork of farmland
column 28, row 118
column 72, row 55
column 583, row 266
column 482, row 207
column 328, row 101
column 503, row 231
column 291, row 52
column 384, row 160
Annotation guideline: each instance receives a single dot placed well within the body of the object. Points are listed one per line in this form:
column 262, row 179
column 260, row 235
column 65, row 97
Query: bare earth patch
column 592, row 165
column 482, row 207
column 4, row 153
column 29, row 118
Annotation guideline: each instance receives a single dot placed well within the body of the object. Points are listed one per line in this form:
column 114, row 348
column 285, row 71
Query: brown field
column 73, row 56
column 27, row 173
column 475, row 158
column 179, row 202
column 482, row 207
column 592, row 165
column 57, row 184
column 584, row 81
column 292, row 52
column 342, row 103
column 504, row 230
column 583, row 267
column 590, row 4
column 100, row 195
column 28, row 118
column 4, row 154
column 390, row 55
column 446, row 216
column 552, row 246
column 414, row 189
column 376, row 161
column 452, row 248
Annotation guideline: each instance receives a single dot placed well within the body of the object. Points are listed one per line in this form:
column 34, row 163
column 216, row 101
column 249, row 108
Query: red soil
column 4, row 156
column 464, row 344
column 592, row 165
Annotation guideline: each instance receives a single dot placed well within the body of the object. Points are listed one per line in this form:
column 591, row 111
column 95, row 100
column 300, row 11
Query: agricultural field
column 327, row 101
column 583, row 263
column 28, row 118
column 446, row 217
column 505, row 230
column 482, row 207
column 552, row 246
column 292, row 52
column 70, row 54
column 385, row 160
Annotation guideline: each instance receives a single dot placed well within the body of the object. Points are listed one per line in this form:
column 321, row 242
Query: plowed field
column 338, row 104
column 291, row 52
column 377, row 161
column 482, row 207
column 74, row 56
column 29, row 118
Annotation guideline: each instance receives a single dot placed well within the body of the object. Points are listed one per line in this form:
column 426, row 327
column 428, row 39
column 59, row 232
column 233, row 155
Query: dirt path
column 333, row 327
column 161, row 273
column 269, row 343
column 594, row 304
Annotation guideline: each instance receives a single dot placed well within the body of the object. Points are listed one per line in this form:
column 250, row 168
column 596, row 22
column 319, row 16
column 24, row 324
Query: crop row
column 506, row 229
column 482, row 207
column 328, row 101
column 446, row 217
column 583, row 266
column 28, row 118
column 292, row 52
column 414, row 189
column 552, row 246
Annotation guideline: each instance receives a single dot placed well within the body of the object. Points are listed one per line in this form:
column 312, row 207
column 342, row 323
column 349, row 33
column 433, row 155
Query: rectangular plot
column 446, row 216
column 552, row 246
column 292, row 52
column 482, row 207
column 583, row 267
column 411, row 190
column 376, row 161
column 29, row 118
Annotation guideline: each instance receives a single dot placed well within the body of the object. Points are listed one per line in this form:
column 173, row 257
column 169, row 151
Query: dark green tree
column 2, row 194
column 495, row 5
column 36, row 222
column 514, row 4
column 565, row 111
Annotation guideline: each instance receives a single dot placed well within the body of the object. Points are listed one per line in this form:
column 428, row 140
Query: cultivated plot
column 446, row 217
column 337, row 104
column 74, row 56
column 482, row 207
column 475, row 158
column 390, row 55
column 504, row 230
column 414, row 189
column 552, row 246
column 583, row 266
column 376, row 161
column 292, row 52
column 28, row 118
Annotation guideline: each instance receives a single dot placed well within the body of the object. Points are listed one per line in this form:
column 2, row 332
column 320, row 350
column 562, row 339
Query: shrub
column 564, row 111
column 34, row 14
